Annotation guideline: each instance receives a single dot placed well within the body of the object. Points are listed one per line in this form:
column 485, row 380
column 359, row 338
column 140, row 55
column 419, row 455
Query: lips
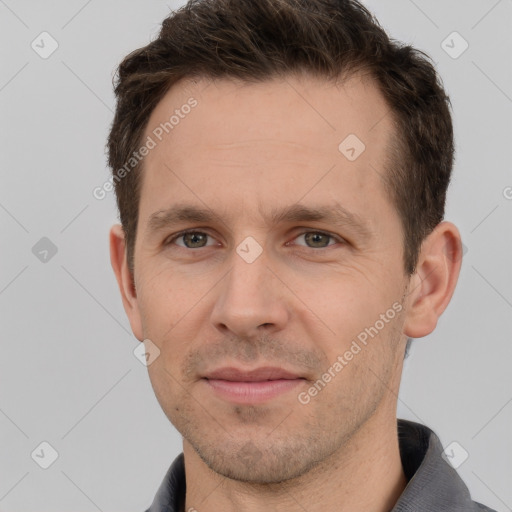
column 251, row 387
column 257, row 375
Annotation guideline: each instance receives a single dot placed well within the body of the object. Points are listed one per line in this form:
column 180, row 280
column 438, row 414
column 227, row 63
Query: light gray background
column 67, row 372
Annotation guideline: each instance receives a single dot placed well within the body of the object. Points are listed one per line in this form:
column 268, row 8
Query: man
column 281, row 170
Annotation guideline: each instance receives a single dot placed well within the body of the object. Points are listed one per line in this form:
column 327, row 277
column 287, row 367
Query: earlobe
column 125, row 279
column 432, row 286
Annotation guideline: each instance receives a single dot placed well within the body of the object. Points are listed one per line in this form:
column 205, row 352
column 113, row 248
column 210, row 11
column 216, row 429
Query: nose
column 250, row 300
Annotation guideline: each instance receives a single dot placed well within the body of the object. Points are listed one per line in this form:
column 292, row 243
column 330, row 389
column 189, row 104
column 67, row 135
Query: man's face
column 250, row 290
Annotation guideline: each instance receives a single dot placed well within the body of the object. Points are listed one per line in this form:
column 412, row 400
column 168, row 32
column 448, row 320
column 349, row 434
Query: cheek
column 360, row 370
column 360, row 321
column 166, row 388
column 164, row 298
column 173, row 313
column 346, row 302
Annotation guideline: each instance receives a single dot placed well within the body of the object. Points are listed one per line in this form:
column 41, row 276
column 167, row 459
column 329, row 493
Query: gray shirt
column 433, row 485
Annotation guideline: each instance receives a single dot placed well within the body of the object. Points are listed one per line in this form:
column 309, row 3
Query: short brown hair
column 256, row 40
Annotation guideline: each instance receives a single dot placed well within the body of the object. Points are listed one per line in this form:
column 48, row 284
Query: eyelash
column 183, row 233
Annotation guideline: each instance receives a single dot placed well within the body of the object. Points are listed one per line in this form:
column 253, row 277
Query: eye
column 318, row 239
column 191, row 239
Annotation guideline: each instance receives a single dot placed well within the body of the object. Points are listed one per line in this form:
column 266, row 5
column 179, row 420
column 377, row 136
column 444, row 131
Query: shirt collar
column 433, row 484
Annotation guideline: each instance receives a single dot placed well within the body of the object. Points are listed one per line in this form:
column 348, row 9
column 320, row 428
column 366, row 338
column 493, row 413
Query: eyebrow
column 335, row 215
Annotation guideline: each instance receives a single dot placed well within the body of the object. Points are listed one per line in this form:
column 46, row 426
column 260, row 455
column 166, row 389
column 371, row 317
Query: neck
column 365, row 474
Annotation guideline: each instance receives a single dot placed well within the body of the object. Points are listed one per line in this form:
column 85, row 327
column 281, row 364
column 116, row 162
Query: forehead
column 310, row 110
column 274, row 141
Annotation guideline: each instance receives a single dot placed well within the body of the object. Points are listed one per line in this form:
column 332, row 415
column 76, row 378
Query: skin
column 243, row 151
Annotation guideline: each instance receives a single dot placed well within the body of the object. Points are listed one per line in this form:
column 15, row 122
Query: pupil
column 315, row 236
column 194, row 238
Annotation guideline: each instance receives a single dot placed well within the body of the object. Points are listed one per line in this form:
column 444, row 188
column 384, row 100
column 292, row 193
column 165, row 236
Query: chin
column 260, row 463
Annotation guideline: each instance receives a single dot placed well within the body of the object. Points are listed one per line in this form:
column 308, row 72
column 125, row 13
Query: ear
column 125, row 279
column 432, row 286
